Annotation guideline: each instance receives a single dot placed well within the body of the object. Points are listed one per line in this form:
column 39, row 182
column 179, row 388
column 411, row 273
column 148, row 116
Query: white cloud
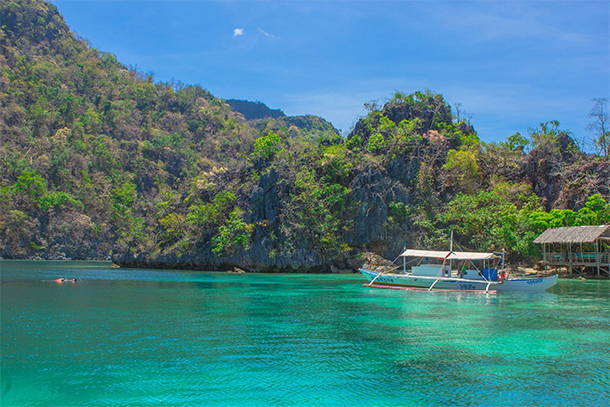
column 267, row 34
column 238, row 31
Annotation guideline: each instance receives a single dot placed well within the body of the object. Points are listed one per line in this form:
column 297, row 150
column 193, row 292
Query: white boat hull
column 457, row 284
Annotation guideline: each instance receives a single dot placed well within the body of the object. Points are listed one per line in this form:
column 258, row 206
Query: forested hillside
column 254, row 110
column 309, row 127
column 91, row 149
column 101, row 160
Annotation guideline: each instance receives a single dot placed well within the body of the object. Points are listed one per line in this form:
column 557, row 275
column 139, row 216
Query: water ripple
column 167, row 338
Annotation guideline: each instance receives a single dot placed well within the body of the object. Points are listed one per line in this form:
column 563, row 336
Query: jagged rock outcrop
column 563, row 176
column 265, row 201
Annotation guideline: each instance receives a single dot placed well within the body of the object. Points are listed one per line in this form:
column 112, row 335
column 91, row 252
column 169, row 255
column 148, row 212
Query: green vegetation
column 98, row 158
column 265, row 147
column 233, row 235
column 85, row 136
column 254, row 110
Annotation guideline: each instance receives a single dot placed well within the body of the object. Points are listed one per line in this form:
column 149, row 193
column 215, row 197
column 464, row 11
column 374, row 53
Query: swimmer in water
column 61, row 280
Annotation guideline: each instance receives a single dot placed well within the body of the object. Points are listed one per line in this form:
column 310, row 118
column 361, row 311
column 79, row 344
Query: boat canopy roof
column 448, row 255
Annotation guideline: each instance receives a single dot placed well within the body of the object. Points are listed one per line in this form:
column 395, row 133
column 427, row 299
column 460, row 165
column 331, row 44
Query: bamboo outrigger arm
column 466, row 280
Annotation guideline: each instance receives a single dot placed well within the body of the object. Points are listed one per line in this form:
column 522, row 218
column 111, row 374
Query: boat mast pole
column 404, row 259
column 451, row 251
column 451, row 242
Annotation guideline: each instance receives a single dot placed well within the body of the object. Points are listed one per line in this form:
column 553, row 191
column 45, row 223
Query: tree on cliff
column 601, row 126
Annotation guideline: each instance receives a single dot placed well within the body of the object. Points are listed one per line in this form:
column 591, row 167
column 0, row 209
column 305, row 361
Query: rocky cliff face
column 276, row 246
column 265, row 253
column 565, row 182
column 392, row 195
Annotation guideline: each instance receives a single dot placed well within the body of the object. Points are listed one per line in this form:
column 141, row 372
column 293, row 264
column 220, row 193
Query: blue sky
column 511, row 64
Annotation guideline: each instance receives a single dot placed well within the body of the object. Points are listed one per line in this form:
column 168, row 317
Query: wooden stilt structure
column 580, row 249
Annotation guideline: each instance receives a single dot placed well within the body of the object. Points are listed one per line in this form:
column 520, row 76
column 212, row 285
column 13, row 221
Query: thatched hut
column 578, row 248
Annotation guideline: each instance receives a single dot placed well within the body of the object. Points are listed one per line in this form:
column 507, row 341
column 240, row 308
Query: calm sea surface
column 158, row 337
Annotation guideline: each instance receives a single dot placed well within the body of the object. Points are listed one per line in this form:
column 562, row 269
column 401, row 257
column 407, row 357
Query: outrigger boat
column 476, row 272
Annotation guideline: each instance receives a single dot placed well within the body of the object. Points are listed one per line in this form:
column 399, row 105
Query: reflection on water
column 162, row 337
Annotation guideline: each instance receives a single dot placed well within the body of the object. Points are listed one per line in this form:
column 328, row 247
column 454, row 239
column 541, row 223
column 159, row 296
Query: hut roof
column 574, row 234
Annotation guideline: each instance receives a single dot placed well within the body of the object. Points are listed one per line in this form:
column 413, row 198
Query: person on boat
column 462, row 270
column 502, row 275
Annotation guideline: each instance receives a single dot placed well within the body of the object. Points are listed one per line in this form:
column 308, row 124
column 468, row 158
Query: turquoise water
column 158, row 337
